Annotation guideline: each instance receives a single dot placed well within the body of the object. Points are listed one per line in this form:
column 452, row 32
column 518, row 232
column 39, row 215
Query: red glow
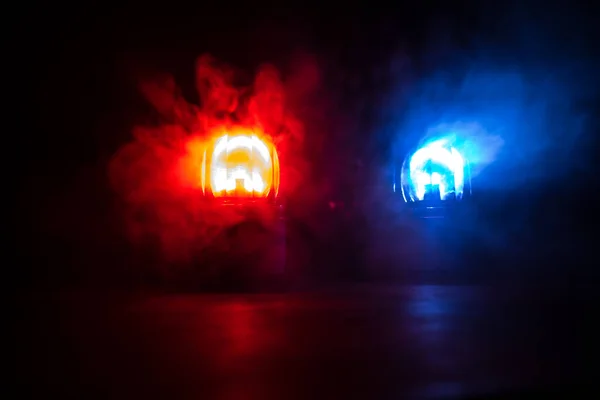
column 236, row 161
column 160, row 175
column 242, row 163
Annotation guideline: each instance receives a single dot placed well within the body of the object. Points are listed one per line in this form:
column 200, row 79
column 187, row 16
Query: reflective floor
column 364, row 342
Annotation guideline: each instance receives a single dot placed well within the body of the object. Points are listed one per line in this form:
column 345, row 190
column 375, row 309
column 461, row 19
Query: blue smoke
column 521, row 107
column 524, row 126
column 521, row 100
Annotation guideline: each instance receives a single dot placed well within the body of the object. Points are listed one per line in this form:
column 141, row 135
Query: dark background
column 499, row 299
column 78, row 63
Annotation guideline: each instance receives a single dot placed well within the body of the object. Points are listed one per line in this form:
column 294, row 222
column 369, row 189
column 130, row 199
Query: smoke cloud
column 157, row 174
column 520, row 101
column 524, row 125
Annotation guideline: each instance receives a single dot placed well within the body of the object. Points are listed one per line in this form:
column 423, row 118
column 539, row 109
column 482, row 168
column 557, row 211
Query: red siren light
column 241, row 164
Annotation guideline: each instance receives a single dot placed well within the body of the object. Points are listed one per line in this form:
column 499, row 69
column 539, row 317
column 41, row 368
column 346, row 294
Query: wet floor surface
column 422, row 341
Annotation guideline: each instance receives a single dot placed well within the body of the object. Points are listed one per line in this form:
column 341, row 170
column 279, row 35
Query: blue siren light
column 435, row 173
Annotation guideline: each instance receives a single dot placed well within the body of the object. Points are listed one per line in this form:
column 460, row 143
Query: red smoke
column 156, row 174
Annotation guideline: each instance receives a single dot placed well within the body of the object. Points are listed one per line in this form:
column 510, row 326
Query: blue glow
column 513, row 130
column 437, row 168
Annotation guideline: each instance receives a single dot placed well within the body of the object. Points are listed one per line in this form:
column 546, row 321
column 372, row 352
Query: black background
column 73, row 72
